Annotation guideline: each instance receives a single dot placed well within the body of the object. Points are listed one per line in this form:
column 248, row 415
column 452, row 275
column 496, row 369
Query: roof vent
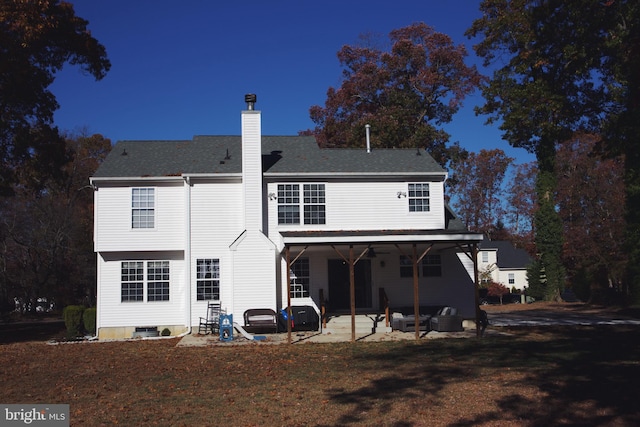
column 250, row 99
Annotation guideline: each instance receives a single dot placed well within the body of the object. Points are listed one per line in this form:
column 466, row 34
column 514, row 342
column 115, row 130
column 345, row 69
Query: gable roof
column 508, row 256
column 281, row 155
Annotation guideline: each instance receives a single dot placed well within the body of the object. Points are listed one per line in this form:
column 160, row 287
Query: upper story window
column 418, row 197
column 312, row 204
column 142, row 208
column 485, row 256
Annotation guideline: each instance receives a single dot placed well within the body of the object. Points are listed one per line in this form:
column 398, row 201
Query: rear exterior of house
column 257, row 221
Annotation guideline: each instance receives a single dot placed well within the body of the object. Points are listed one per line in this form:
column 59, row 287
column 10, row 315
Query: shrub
column 72, row 315
column 89, row 320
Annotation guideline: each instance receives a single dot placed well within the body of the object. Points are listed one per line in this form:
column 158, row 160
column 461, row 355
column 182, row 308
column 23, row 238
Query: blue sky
column 181, row 68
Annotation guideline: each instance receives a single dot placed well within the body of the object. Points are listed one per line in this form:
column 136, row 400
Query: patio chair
column 447, row 320
column 211, row 323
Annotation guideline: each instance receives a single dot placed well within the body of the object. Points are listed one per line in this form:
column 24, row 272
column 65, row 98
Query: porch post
column 474, row 251
column 352, row 293
column 287, row 256
column 416, row 296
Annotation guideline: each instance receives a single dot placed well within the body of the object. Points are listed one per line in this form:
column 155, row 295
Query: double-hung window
column 208, row 279
column 142, row 208
column 419, row 197
column 432, row 266
column 132, row 281
column 300, row 278
column 135, row 276
column 512, row 278
column 158, row 281
column 312, row 204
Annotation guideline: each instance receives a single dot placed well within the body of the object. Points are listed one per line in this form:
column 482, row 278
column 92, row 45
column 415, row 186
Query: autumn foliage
column 405, row 94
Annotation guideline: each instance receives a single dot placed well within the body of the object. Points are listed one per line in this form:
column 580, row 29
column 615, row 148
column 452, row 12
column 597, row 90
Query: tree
column 590, row 193
column 548, row 88
column 36, row 39
column 46, row 247
column 521, row 205
column 405, row 94
column 477, row 185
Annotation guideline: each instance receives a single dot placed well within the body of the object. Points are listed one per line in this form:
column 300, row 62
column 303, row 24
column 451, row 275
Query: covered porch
column 351, row 272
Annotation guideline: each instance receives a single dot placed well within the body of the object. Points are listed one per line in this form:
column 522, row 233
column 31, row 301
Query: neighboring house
column 503, row 263
column 259, row 221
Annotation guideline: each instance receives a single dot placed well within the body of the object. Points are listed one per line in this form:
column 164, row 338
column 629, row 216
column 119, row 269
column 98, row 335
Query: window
column 208, row 279
column 419, row 197
column 300, row 278
column 134, row 276
column 158, row 281
column 485, row 256
column 432, row 266
column 313, row 204
column 314, row 208
column 142, row 207
column 406, row 266
column 512, row 278
column 288, row 204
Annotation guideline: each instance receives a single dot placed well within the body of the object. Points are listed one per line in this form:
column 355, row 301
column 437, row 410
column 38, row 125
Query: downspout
column 187, row 253
column 367, row 129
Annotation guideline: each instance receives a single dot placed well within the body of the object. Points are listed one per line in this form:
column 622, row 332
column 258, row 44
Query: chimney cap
column 250, row 99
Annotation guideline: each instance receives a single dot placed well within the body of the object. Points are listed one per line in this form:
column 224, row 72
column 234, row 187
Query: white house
column 503, row 263
column 259, row 221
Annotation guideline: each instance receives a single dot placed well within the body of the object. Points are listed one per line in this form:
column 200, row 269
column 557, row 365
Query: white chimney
column 252, row 165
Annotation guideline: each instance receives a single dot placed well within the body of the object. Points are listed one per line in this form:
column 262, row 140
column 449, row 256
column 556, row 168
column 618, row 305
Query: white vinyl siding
column 367, row 205
column 113, row 312
column 113, row 221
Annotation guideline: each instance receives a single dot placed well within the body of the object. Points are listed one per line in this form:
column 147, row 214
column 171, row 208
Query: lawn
column 533, row 377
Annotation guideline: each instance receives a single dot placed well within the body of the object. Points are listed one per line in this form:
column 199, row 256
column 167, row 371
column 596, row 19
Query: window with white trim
column 485, row 256
column 140, row 277
column 512, row 278
column 418, row 197
column 132, row 281
column 406, row 266
column 300, row 278
column 142, row 207
column 208, row 279
column 158, row 281
column 288, row 204
column 312, row 204
column 432, row 266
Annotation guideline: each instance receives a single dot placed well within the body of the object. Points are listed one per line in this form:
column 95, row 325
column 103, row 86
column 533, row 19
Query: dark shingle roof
column 281, row 155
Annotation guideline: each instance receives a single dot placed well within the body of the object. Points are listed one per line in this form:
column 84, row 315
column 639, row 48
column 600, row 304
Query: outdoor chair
column 211, row 323
column 447, row 320
column 261, row 319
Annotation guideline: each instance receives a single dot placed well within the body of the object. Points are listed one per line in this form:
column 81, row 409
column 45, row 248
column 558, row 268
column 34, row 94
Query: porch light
column 401, row 194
